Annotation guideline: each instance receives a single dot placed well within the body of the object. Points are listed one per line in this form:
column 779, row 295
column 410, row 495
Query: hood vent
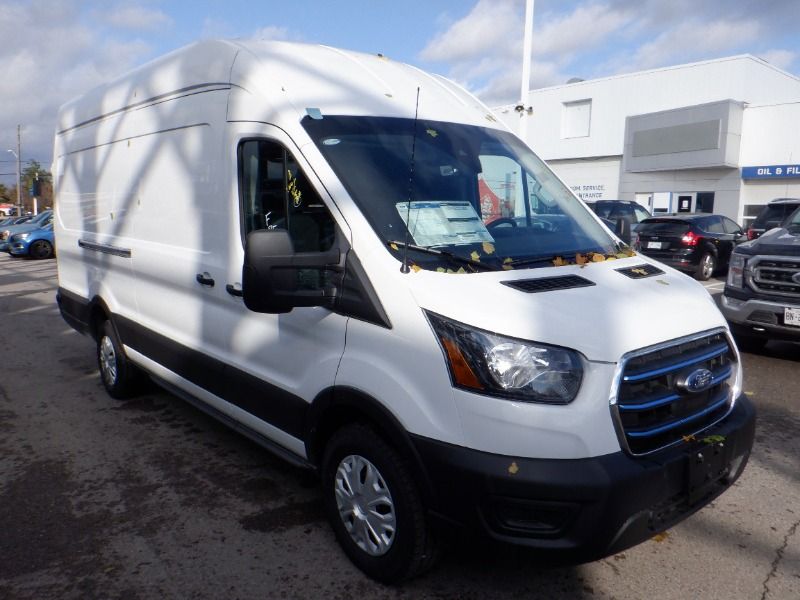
column 640, row 271
column 548, row 284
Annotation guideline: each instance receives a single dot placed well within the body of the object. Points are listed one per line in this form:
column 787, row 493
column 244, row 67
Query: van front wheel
column 119, row 376
column 374, row 506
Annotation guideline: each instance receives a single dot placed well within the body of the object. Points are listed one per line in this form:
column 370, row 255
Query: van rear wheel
column 374, row 506
column 120, row 377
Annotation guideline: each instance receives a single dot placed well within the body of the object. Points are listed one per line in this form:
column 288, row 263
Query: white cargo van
column 355, row 264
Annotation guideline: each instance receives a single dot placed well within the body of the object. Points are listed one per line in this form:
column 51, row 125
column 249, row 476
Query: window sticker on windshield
column 443, row 223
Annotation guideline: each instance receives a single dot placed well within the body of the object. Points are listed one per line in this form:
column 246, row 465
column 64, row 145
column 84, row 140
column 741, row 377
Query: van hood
column 614, row 312
column 777, row 242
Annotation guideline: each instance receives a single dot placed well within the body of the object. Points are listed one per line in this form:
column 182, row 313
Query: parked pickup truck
column 762, row 293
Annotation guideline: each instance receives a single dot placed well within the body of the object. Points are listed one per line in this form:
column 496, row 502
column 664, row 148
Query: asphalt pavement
column 149, row 498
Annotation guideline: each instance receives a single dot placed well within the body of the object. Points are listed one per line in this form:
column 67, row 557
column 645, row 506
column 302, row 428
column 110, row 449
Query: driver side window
column 275, row 194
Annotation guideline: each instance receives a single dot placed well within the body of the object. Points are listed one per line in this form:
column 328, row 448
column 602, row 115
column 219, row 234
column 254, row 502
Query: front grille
column 775, row 275
column 654, row 407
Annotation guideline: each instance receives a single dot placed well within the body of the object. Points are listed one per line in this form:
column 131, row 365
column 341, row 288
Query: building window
column 576, row 118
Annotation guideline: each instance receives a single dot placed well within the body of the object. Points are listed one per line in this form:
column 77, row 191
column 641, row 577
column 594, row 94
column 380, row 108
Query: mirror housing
column 276, row 279
column 623, row 230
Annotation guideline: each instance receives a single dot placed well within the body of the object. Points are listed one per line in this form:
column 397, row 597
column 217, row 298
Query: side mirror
column 623, row 230
column 276, row 279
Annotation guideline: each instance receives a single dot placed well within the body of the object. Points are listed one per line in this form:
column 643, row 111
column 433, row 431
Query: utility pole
column 525, row 86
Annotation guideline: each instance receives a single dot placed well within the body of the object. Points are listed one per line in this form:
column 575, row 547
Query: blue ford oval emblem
column 696, row 381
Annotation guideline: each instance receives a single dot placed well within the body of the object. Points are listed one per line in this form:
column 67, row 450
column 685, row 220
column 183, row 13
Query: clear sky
column 53, row 50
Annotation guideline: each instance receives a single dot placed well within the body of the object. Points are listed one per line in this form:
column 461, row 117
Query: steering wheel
column 501, row 221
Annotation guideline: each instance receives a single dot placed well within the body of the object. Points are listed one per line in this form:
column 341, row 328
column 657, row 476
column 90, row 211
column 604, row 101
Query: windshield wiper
column 524, row 262
column 454, row 257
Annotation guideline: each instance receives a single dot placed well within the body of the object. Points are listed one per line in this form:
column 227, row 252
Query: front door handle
column 234, row 291
column 205, row 279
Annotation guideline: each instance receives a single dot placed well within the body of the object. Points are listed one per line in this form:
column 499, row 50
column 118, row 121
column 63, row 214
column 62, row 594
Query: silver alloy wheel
column 108, row 361
column 365, row 505
column 708, row 266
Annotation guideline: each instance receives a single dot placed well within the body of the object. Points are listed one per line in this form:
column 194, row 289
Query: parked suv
column 762, row 294
column 698, row 243
column 613, row 210
column 772, row 215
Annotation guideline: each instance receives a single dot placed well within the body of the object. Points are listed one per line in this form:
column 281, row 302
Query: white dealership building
column 717, row 136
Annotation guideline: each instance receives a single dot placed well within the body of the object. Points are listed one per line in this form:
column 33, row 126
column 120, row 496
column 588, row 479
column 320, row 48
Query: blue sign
column 771, row 172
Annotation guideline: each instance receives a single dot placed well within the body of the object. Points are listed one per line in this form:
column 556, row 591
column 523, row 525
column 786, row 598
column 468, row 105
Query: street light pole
column 19, row 189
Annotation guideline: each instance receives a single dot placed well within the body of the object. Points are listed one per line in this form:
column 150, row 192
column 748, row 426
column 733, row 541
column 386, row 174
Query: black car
column 772, row 215
column 698, row 243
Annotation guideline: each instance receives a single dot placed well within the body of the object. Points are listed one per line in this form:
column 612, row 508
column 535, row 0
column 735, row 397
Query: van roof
column 278, row 75
column 785, row 201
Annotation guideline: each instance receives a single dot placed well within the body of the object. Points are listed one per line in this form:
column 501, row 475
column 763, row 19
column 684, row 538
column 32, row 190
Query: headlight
column 4, row 235
column 491, row 364
column 736, row 270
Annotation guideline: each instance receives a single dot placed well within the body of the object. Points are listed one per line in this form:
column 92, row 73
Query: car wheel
column 706, row 267
column 120, row 377
column 374, row 506
column 41, row 249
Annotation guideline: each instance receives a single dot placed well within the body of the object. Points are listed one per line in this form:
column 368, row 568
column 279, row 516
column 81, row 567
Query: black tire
column 751, row 343
column 41, row 249
column 411, row 549
column 120, row 377
column 706, row 267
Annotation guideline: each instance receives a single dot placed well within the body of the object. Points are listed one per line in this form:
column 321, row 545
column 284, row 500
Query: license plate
column 791, row 316
column 655, row 245
column 707, row 465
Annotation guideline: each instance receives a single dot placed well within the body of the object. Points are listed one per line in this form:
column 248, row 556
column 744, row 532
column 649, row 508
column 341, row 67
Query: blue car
column 14, row 221
column 43, row 218
column 38, row 243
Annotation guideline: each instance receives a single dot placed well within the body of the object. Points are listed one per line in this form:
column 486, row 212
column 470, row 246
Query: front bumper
column 760, row 318
column 18, row 248
column 579, row 510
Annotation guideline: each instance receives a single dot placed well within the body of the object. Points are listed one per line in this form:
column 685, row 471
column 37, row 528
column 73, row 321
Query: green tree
column 35, row 171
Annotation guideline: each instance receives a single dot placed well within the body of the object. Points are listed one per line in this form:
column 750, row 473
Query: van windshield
column 474, row 194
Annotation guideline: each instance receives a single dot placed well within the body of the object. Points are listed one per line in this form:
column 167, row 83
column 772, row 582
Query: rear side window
column 641, row 214
column 663, row 228
column 713, row 225
column 772, row 213
column 601, row 209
